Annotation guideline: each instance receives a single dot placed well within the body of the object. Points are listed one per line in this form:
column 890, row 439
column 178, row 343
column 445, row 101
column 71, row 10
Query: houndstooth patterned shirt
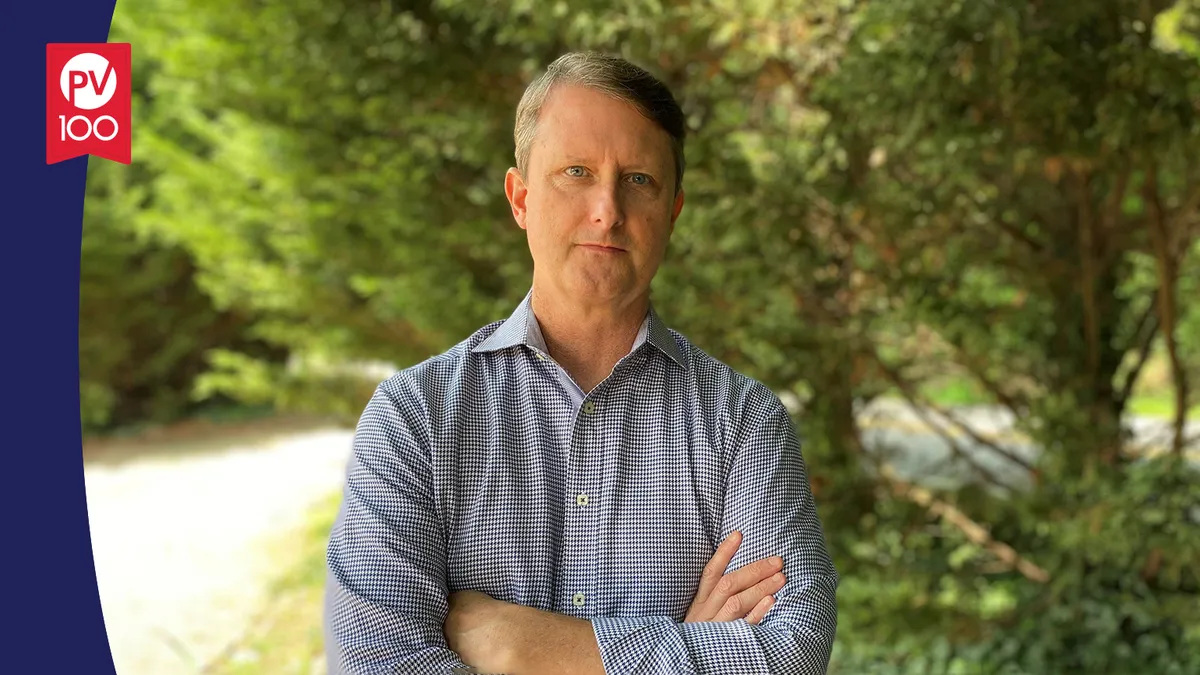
column 486, row 468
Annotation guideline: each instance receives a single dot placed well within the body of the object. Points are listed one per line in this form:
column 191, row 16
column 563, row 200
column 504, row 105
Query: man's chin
column 605, row 291
column 591, row 283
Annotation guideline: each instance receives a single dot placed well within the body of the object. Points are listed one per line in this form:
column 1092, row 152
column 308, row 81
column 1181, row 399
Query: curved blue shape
column 50, row 593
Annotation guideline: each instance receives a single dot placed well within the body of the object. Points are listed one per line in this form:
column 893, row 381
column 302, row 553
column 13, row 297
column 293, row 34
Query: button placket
column 580, row 556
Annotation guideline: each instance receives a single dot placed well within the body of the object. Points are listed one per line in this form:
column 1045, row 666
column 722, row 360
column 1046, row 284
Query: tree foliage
column 146, row 328
column 879, row 195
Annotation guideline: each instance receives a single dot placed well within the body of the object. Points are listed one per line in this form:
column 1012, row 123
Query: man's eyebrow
column 576, row 160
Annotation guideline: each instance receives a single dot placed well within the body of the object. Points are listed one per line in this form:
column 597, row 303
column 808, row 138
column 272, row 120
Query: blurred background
column 961, row 240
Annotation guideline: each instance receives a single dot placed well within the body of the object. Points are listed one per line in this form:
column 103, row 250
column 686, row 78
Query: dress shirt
column 486, row 468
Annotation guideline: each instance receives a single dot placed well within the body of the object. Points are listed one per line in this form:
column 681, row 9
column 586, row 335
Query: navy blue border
column 49, row 579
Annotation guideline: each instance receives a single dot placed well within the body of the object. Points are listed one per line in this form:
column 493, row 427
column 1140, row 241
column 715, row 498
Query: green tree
column 877, row 194
column 145, row 326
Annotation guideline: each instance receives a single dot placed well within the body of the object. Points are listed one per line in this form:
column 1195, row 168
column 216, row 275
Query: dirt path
column 182, row 529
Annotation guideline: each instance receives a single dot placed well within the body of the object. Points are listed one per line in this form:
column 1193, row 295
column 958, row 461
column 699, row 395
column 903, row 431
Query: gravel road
column 181, row 532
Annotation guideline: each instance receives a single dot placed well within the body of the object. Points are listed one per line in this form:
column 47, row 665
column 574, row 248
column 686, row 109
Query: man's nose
column 607, row 209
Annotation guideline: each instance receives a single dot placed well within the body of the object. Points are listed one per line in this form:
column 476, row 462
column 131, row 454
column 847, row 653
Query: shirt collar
column 521, row 328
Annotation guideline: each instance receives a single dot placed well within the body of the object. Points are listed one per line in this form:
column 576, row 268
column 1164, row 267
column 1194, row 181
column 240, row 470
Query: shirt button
column 581, row 500
column 540, row 356
column 578, row 599
column 589, row 407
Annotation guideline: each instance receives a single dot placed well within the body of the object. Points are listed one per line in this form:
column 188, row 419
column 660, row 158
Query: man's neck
column 588, row 339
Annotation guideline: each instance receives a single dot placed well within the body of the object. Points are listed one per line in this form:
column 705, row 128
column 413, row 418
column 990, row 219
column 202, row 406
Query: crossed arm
column 500, row 637
column 410, row 624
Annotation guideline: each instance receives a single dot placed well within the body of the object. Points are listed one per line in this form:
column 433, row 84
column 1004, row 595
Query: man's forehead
column 575, row 106
column 583, row 134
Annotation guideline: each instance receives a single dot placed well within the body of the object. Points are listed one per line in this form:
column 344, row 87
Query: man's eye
column 575, row 171
column 640, row 179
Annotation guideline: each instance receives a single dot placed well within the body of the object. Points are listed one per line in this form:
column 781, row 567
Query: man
column 578, row 489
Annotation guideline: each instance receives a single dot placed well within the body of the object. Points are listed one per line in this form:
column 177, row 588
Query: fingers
column 760, row 610
column 738, row 592
column 715, row 569
column 741, row 604
column 745, row 577
column 744, row 593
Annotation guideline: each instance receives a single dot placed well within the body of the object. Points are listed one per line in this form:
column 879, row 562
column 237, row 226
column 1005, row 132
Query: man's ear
column 515, row 190
column 676, row 208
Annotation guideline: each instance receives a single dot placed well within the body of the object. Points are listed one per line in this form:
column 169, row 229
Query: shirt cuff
column 641, row 645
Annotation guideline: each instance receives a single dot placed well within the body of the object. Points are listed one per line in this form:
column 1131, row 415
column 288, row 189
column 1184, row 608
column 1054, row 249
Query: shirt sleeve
column 386, row 597
column 769, row 500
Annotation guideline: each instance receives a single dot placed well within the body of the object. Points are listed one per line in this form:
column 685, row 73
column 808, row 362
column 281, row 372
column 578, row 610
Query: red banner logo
column 88, row 101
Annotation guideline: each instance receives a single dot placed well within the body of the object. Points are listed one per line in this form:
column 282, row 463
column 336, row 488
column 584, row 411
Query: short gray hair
column 609, row 75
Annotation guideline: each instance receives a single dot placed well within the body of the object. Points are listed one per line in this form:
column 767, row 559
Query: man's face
column 598, row 202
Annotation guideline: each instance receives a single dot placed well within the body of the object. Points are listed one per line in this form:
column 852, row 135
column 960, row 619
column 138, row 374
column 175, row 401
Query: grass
column 950, row 392
column 287, row 636
column 1159, row 405
column 1153, row 397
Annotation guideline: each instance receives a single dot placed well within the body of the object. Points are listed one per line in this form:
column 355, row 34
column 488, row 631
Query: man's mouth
column 603, row 248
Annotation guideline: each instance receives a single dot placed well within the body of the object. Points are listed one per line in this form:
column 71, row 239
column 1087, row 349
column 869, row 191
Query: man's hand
column 475, row 630
column 744, row 593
